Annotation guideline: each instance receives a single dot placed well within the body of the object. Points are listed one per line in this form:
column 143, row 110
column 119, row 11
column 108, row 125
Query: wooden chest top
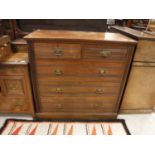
column 78, row 36
column 15, row 59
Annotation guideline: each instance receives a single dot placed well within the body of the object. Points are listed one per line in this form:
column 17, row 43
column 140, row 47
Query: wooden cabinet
column 78, row 74
column 15, row 88
column 139, row 95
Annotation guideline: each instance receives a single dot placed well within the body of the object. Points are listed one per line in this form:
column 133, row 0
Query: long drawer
column 75, row 104
column 79, row 68
column 89, row 90
column 44, row 79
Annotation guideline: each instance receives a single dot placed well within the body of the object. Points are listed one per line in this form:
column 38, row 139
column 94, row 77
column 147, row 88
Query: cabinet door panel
column 140, row 91
column 13, row 85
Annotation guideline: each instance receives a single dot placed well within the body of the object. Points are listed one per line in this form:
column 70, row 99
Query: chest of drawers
column 15, row 88
column 78, row 74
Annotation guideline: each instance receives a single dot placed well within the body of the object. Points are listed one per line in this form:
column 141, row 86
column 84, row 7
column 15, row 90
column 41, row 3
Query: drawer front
column 94, row 89
column 80, row 68
column 13, row 70
column 77, row 104
column 73, row 80
column 105, row 52
column 57, row 51
column 14, row 105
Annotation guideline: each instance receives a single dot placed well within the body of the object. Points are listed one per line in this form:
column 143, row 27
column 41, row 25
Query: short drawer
column 14, row 105
column 77, row 104
column 109, row 52
column 57, row 50
column 12, row 70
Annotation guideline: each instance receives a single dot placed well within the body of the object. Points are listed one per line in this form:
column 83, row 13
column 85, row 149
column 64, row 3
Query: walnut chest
column 78, row 74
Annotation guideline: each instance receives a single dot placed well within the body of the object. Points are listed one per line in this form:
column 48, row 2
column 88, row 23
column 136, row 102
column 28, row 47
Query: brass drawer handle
column 59, row 106
column 96, row 105
column 58, row 72
column 59, row 90
column 99, row 91
column 58, row 52
column 102, row 72
column 105, row 53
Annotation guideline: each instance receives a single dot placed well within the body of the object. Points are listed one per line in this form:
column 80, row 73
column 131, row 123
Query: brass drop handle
column 105, row 53
column 102, row 72
column 96, row 105
column 59, row 106
column 58, row 52
column 99, row 91
column 59, row 90
column 58, row 72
